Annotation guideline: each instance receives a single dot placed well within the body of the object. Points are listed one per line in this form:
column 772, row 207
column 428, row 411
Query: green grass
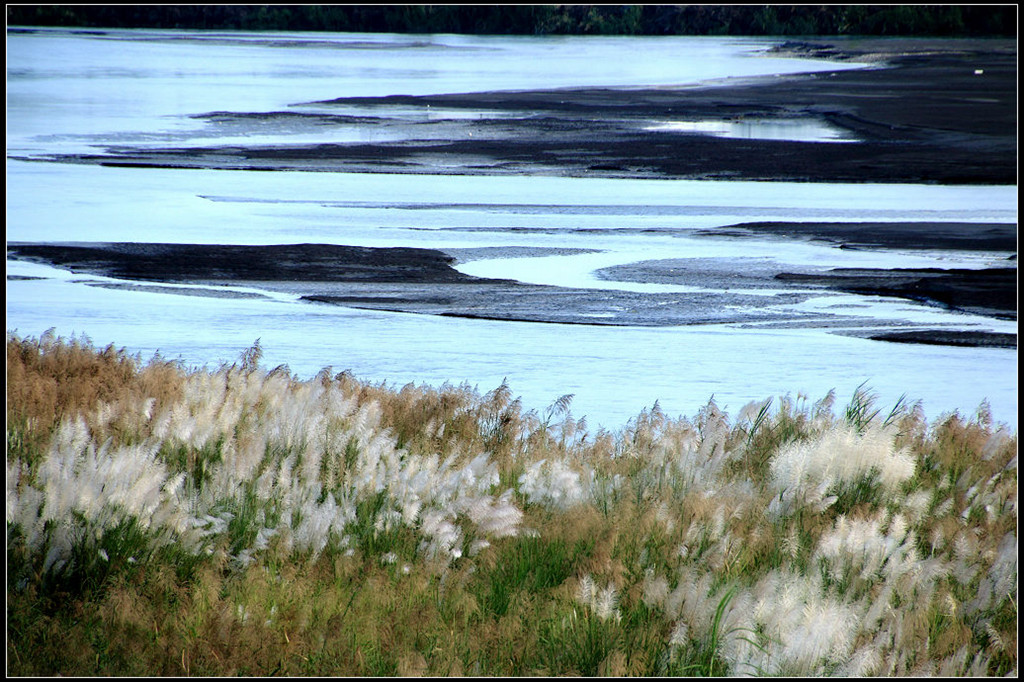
column 528, row 566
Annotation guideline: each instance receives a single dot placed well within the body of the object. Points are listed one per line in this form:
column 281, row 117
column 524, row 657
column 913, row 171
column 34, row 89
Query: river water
column 71, row 92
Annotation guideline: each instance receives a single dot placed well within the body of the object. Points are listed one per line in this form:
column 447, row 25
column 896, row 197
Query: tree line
column 876, row 20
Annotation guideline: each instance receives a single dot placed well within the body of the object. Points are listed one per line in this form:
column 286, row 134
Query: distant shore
column 537, row 20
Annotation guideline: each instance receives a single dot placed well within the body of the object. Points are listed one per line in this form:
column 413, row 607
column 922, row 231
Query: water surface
column 69, row 92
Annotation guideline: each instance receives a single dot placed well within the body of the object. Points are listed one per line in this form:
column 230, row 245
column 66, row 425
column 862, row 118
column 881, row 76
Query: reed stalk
column 239, row 521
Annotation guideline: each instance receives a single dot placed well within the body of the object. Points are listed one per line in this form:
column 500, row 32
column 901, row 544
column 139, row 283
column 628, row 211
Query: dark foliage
column 905, row 20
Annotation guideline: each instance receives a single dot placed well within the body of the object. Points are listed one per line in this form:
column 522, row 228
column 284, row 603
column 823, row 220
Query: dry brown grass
column 51, row 379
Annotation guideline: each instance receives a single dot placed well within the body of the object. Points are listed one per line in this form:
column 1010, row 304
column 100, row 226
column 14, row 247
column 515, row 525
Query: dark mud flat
column 991, row 292
column 212, row 263
column 950, row 338
column 560, row 305
column 940, row 111
column 424, row 281
column 924, row 236
column 400, row 280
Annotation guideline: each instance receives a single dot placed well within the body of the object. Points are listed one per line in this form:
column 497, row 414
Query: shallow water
column 72, row 92
column 613, row 372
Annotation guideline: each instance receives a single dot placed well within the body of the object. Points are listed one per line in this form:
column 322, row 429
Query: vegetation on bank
column 239, row 521
column 884, row 20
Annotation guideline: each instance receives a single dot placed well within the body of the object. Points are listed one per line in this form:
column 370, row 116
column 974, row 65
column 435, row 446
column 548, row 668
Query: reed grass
column 239, row 521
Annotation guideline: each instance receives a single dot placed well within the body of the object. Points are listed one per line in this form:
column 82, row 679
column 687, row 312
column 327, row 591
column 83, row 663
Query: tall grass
column 239, row 521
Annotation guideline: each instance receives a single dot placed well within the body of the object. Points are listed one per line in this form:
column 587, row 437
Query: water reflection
column 789, row 129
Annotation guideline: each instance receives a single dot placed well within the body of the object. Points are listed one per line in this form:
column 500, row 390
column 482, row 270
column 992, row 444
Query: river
column 79, row 91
